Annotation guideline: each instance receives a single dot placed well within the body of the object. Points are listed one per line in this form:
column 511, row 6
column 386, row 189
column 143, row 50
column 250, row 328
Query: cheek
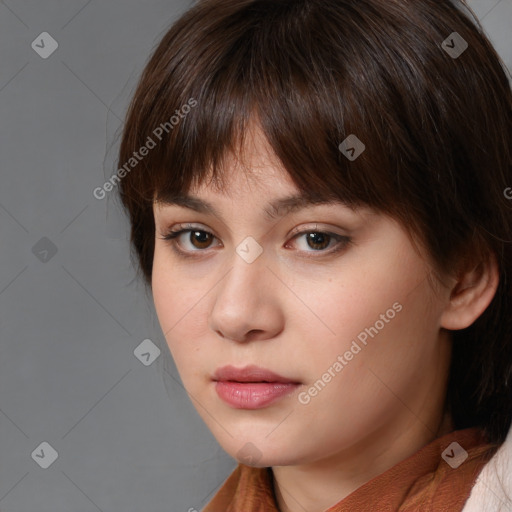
column 377, row 377
column 336, row 310
column 386, row 337
column 376, row 313
column 179, row 309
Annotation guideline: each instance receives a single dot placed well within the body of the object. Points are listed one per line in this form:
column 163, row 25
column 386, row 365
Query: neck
column 317, row 486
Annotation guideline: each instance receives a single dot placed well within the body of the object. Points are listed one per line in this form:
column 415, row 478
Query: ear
column 470, row 295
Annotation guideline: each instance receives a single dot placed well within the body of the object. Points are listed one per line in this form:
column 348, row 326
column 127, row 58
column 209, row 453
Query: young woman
column 319, row 196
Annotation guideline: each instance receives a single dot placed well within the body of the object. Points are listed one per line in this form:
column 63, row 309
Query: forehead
column 254, row 176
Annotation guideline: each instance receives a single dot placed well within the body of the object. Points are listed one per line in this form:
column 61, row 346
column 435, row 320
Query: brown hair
column 437, row 128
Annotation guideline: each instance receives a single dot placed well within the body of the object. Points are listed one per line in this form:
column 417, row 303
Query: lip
column 250, row 373
column 251, row 387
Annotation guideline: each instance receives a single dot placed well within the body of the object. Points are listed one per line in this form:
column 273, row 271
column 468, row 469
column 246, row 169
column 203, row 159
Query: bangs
column 305, row 95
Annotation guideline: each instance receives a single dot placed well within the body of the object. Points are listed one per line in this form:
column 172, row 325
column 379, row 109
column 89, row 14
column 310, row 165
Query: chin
column 260, row 455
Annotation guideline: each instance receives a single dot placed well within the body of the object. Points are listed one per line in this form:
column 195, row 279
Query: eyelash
column 172, row 234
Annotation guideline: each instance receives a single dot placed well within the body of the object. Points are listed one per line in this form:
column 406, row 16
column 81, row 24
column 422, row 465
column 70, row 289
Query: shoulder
column 492, row 491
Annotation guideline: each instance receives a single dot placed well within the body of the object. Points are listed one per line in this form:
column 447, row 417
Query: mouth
column 251, row 387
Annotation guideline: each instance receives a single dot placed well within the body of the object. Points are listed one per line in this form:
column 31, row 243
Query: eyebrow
column 274, row 209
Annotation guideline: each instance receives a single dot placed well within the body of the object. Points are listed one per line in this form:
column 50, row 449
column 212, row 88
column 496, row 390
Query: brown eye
column 201, row 238
column 321, row 242
column 198, row 238
column 318, row 240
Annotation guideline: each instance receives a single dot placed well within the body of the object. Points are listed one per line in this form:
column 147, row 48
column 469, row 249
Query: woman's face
column 345, row 313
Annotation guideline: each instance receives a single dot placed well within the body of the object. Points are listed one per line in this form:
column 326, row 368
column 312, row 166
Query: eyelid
column 173, row 233
column 307, row 229
column 298, row 230
column 179, row 229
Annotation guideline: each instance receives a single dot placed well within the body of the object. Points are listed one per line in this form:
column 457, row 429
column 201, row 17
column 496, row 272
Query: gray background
column 127, row 436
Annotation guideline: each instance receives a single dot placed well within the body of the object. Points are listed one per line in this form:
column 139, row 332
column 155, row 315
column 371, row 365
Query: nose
column 247, row 303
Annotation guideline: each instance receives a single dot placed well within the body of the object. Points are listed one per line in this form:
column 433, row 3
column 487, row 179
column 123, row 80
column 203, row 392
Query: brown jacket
column 434, row 479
